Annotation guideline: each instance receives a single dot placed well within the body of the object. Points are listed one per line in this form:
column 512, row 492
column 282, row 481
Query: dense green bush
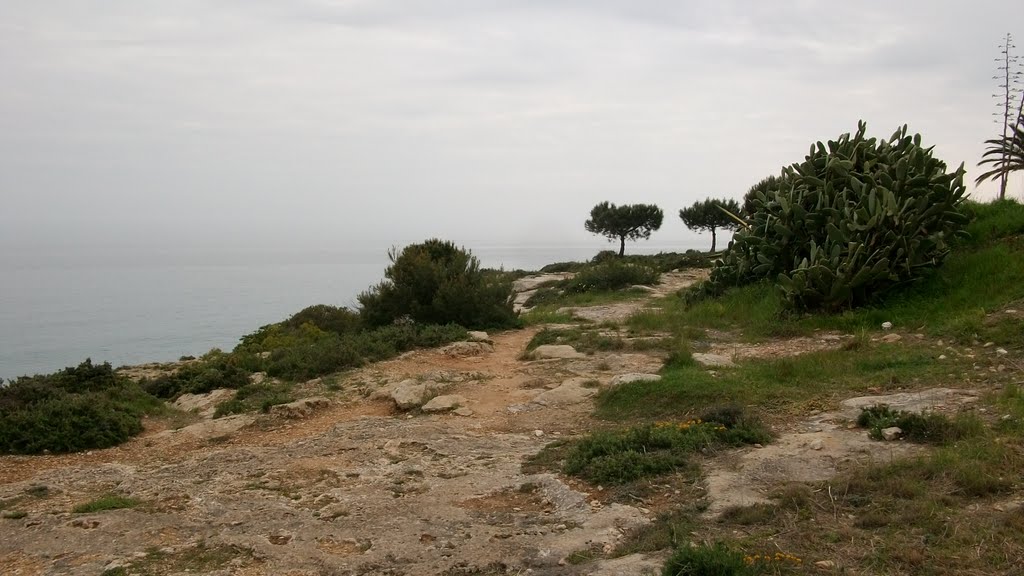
column 857, row 218
column 557, row 267
column 79, row 408
column 438, row 283
column 215, row 370
column 328, row 318
column 611, row 275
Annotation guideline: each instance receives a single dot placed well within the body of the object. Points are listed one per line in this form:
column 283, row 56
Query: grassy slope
column 937, row 514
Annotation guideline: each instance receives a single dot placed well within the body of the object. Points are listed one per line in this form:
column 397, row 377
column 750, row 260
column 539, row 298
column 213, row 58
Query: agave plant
column 1005, row 154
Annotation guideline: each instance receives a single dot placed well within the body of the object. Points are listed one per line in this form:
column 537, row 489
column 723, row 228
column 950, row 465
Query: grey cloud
column 260, row 123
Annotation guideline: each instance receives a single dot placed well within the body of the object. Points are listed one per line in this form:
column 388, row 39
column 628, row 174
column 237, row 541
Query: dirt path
column 359, row 487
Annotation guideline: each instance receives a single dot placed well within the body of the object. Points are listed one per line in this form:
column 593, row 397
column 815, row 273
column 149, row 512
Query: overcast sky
column 338, row 123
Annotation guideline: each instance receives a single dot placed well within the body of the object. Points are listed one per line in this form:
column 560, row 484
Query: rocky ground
column 411, row 466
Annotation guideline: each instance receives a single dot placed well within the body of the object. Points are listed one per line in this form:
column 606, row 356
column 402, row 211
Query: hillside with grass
column 840, row 392
column 952, row 507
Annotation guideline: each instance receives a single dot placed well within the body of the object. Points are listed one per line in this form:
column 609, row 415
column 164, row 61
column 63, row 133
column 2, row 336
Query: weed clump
column 717, row 559
column 927, row 428
column 255, row 397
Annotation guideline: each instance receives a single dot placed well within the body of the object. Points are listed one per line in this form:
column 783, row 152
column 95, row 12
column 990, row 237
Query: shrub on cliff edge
column 438, row 283
column 79, row 408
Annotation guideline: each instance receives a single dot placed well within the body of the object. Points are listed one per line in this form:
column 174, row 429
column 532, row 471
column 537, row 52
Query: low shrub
column 543, row 295
column 327, row 353
column 256, row 397
column 615, row 457
column 216, row 370
column 716, row 560
column 720, row 560
column 661, row 262
column 929, row 428
column 327, row 318
column 612, row 275
column 557, row 267
column 79, row 408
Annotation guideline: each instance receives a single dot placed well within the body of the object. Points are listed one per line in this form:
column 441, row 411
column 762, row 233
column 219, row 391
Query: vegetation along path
column 626, row 431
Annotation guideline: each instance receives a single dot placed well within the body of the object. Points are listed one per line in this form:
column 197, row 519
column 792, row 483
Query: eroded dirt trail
column 356, row 488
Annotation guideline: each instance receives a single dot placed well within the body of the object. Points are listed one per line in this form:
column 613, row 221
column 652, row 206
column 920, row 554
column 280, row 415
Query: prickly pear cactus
column 857, row 218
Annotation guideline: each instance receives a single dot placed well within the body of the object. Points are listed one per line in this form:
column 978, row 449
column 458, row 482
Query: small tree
column 711, row 215
column 626, row 222
column 436, row 282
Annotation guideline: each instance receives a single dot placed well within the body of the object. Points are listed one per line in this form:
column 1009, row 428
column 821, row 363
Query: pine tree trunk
column 622, row 246
column 714, row 240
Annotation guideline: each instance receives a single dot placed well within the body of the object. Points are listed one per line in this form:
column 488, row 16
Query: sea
column 59, row 307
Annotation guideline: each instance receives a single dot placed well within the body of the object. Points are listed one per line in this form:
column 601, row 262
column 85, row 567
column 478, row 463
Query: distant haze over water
column 125, row 306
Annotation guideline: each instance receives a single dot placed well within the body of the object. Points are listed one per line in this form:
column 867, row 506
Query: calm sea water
column 56, row 309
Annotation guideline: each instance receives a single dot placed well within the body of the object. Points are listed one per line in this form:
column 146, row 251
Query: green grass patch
column 994, row 220
column 721, row 560
column 929, row 428
column 106, row 502
column 201, row 559
column 1010, row 402
column 621, row 456
column 980, row 276
column 14, row 514
column 775, row 384
column 546, row 315
column 592, row 298
column 669, row 530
